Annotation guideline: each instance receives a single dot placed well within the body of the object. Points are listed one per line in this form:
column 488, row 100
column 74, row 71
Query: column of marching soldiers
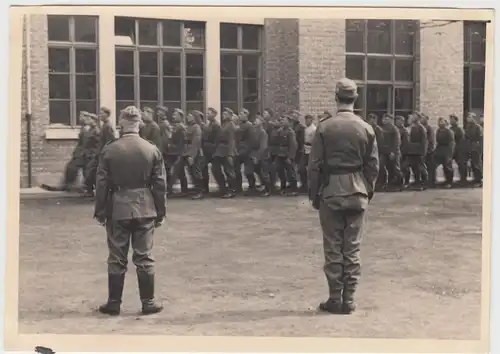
column 268, row 148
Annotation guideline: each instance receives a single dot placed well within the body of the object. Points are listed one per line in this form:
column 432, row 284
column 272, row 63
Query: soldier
column 130, row 195
column 175, row 152
column 260, row 157
column 246, row 143
column 285, row 159
column 91, row 150
column 162, row 114
column 299, row 130
column 211, row 132
column 193, row 154
column 165, row 134
column 460, row 154
column 309, row 132
column 399, row 121
column 224, row 156
column 372, row 119
column 445, row 147
column 431, row 147
column 343, row 169
column 473, row 143
column 417, row 151
column 150, row 130
column 390, row 154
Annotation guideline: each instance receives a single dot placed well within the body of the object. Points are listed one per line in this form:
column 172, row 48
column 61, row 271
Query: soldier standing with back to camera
column 343, row 169
column 130, row 194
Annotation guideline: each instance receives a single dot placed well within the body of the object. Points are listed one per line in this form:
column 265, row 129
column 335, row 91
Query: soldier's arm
column 293, row 146
column 263, row 143
column 301, row 137
column 397, row 141
column 432, row 139
column 424, row 141
column 102, row 188
column 315, row 163
column 371, row 162
column 231, row 139
column 159, row 185
column 156, row 136
column 451, row 139
column 108, row 134
column 196, row 142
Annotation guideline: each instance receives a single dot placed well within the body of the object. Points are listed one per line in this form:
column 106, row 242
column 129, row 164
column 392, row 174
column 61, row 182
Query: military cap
column 131, row 114
column 212, row 109
column 92, row 116
column 228, row 110
column 388, row 115
column 84, row 113
column 346, row 88
column 453, row 115
column 198, row 113
column 148, row 109
column 106, row 110
column 399, row 118
column 162, row 108
column 245, row 111
column 180, row 111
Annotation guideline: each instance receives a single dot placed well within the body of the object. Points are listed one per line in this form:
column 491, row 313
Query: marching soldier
column 417, row 151
column 431, row 147
column 130, row 195
column 460, row 154
column 285, row 159
column 445, row 146
column 162, row 114
column 91, row 149
column 299, row 130
column 474, row 142
column 224, row 156
column 390, row 154
column 260, row 157
column 210, row 134
column 372, row 119
column 165, row 134
column 342, row 170
column 309, row 132
column 150, row 130
column 404, row 138
column 175, row 152
column 246, row 143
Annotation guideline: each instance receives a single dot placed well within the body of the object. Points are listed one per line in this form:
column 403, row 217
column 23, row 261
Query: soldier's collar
column 345, row 110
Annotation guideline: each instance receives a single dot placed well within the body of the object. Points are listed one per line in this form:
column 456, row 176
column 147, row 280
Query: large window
column 160, row 62
column 474, row 65
column 240, row 67
column 380, row 57
column 73, row 68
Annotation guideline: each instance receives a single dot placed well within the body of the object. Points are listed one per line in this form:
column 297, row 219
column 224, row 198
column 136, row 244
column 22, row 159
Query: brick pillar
column 321, row 63
column 441, row 76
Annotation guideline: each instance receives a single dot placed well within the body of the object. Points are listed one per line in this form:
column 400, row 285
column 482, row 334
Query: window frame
column 160, row 49
column 239, row 52
column 470, row 66
column 72, row 46
column 393, row 56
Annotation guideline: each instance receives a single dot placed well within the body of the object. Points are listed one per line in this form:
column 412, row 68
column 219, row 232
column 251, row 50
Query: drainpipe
column 28, row 116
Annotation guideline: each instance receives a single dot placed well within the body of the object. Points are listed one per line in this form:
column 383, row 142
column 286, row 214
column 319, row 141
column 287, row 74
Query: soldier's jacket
column 165, row 134
column 300, row 135
column 344, row 162
column 379, row 135
column 107, row 134
column 261, row 151
column 417, row 142
column 459, row 134
column 91, row 142
column 284, row 142
column 131, row 180
column 445, row 142
column 473, row 137
column 269, row 126
column 246, row 141
column 431, row 138
column 177, row 140
column 210, row 136
column 405, row 139
column 193, row 141
column 226, row 144
column 78, row 151
column 391, row 142
column 151, row 131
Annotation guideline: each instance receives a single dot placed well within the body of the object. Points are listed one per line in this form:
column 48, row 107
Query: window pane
column 148, row 32
column 229, row 90
column 253, row 107
column 59, row 112
column 86, row 87
column 194, row 35
column 148, row 63
column 59, row 86
column 194, row 89
column 477, row 78
column 87, row 106
column 478, row 52
column 148, row 88
column 171, row 33
column 195, row 65
column 404, row 70
column 379, row 69
column 85, row 60
column 377, row 98
column 85, row 29
column 379, row 36
column 405, row 37
column 250, row 90
column 125, row 31
column 124, row 88
column 477, row 99
column 250, row 66
column 358, row 104
column 150, row 104
column 171, row 64
column 355, row 36
column 58, row 28
column 355, row 67
column 59, row 60
column 171, row 89
column 122, row 105
column 191, row 106
column 250, row 37
column 403, row 99
column 124, row 62
column 171, row 106
column 229, row 65
column 228, row 35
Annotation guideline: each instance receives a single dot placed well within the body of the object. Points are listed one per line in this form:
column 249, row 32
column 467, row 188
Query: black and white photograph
column 250, row 172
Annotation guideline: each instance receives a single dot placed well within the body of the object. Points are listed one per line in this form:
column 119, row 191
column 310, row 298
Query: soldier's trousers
column 224, row 173
column 205, row 171
column 248, row 170
column 392, row 174
column 71, row 171
column 405, row 169
column 419, row 168
column 447, row 163
column 476, row 164
column 286, row 171
column 304, row 161
column 121, row 233
column 461, row 160
column 431, row 167
column 170, row 163
column 90, row 172
column 195, row 170
column 263, row 171
column 342, row 234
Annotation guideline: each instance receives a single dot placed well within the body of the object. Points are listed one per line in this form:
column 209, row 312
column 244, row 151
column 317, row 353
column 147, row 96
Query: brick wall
column 441, row 76
column 49, row 157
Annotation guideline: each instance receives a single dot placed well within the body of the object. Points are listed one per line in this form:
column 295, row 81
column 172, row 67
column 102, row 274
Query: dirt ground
column 254, row 267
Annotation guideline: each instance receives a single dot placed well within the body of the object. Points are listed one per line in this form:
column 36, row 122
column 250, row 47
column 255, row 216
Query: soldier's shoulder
column 110, row 142
column 324, row 119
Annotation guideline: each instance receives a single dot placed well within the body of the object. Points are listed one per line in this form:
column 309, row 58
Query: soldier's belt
column 342, row 170
column 121, row 188
column 308, row 144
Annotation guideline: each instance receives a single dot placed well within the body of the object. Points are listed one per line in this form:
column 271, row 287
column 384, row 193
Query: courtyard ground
column 254, row 267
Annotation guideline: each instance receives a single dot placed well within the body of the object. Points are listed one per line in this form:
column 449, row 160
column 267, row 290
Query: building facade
column 74, row 63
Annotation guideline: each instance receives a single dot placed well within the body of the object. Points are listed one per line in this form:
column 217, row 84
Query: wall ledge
column 61, row 133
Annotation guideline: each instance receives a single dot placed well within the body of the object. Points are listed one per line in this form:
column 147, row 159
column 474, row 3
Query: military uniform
column 473, row 143
column 130, row 199
column 309, row 132
column 460, row 153
column 430, row 156
column 224, row 159
column 210, row 134
column 417, row 151
column 445, row 147
column 174, row 155
column 405, row 161
column 284, row 160
column 379, row 135
column 390, row 156
column 299, row 130
column 260, row 159
column 151, row 132
column 343, row 169
column 91, row 151
column 246, row 143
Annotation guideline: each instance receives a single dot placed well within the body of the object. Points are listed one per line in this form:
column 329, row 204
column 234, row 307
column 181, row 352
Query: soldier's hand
column 159, row 221
column 254, row 160
column 230, row 160
column 392, row 156
column 190, row 161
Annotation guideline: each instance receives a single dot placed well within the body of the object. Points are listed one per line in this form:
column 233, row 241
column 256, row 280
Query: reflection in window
column 72, row 51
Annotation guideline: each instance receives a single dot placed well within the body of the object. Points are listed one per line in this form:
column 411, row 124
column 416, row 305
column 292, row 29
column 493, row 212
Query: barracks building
column 81, row 62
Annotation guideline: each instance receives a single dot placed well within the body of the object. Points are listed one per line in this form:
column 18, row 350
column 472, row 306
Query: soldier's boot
column 252, row 189
column 348, row 304
column 199, row 192
column 115, row 292
column 334, row 303
column 146, row 292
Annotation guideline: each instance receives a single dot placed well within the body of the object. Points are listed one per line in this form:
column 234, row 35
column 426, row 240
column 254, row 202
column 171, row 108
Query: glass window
column 250, row 66
column 59, row 87
column 124, row 62
column 229, row 90
column 172, row 89
column 59, row 60
column 194, row 35
column 359, row 103
column 379, row 36
column 474, row 65
column 250, row 37
column 87, row 106
column 378, row 99
column 355, row 67
column 125, row 33
column 148, row 88
column 405, row 32
column 85, row 29
column 85, row 61
column 86, row 87
column 404, row 70
column 477, row 99
column 124, row 88
column 379, row 69
column 171, row 64
column 148, row 32
column 171, row 33
column 58, row 28
column 60, row 112
column 228, row 36
column 195, row 65
column 403, row 99
column 477, row 78
column 355, row 30
column 229, row 65
column 194, row 89
column 148, row 63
